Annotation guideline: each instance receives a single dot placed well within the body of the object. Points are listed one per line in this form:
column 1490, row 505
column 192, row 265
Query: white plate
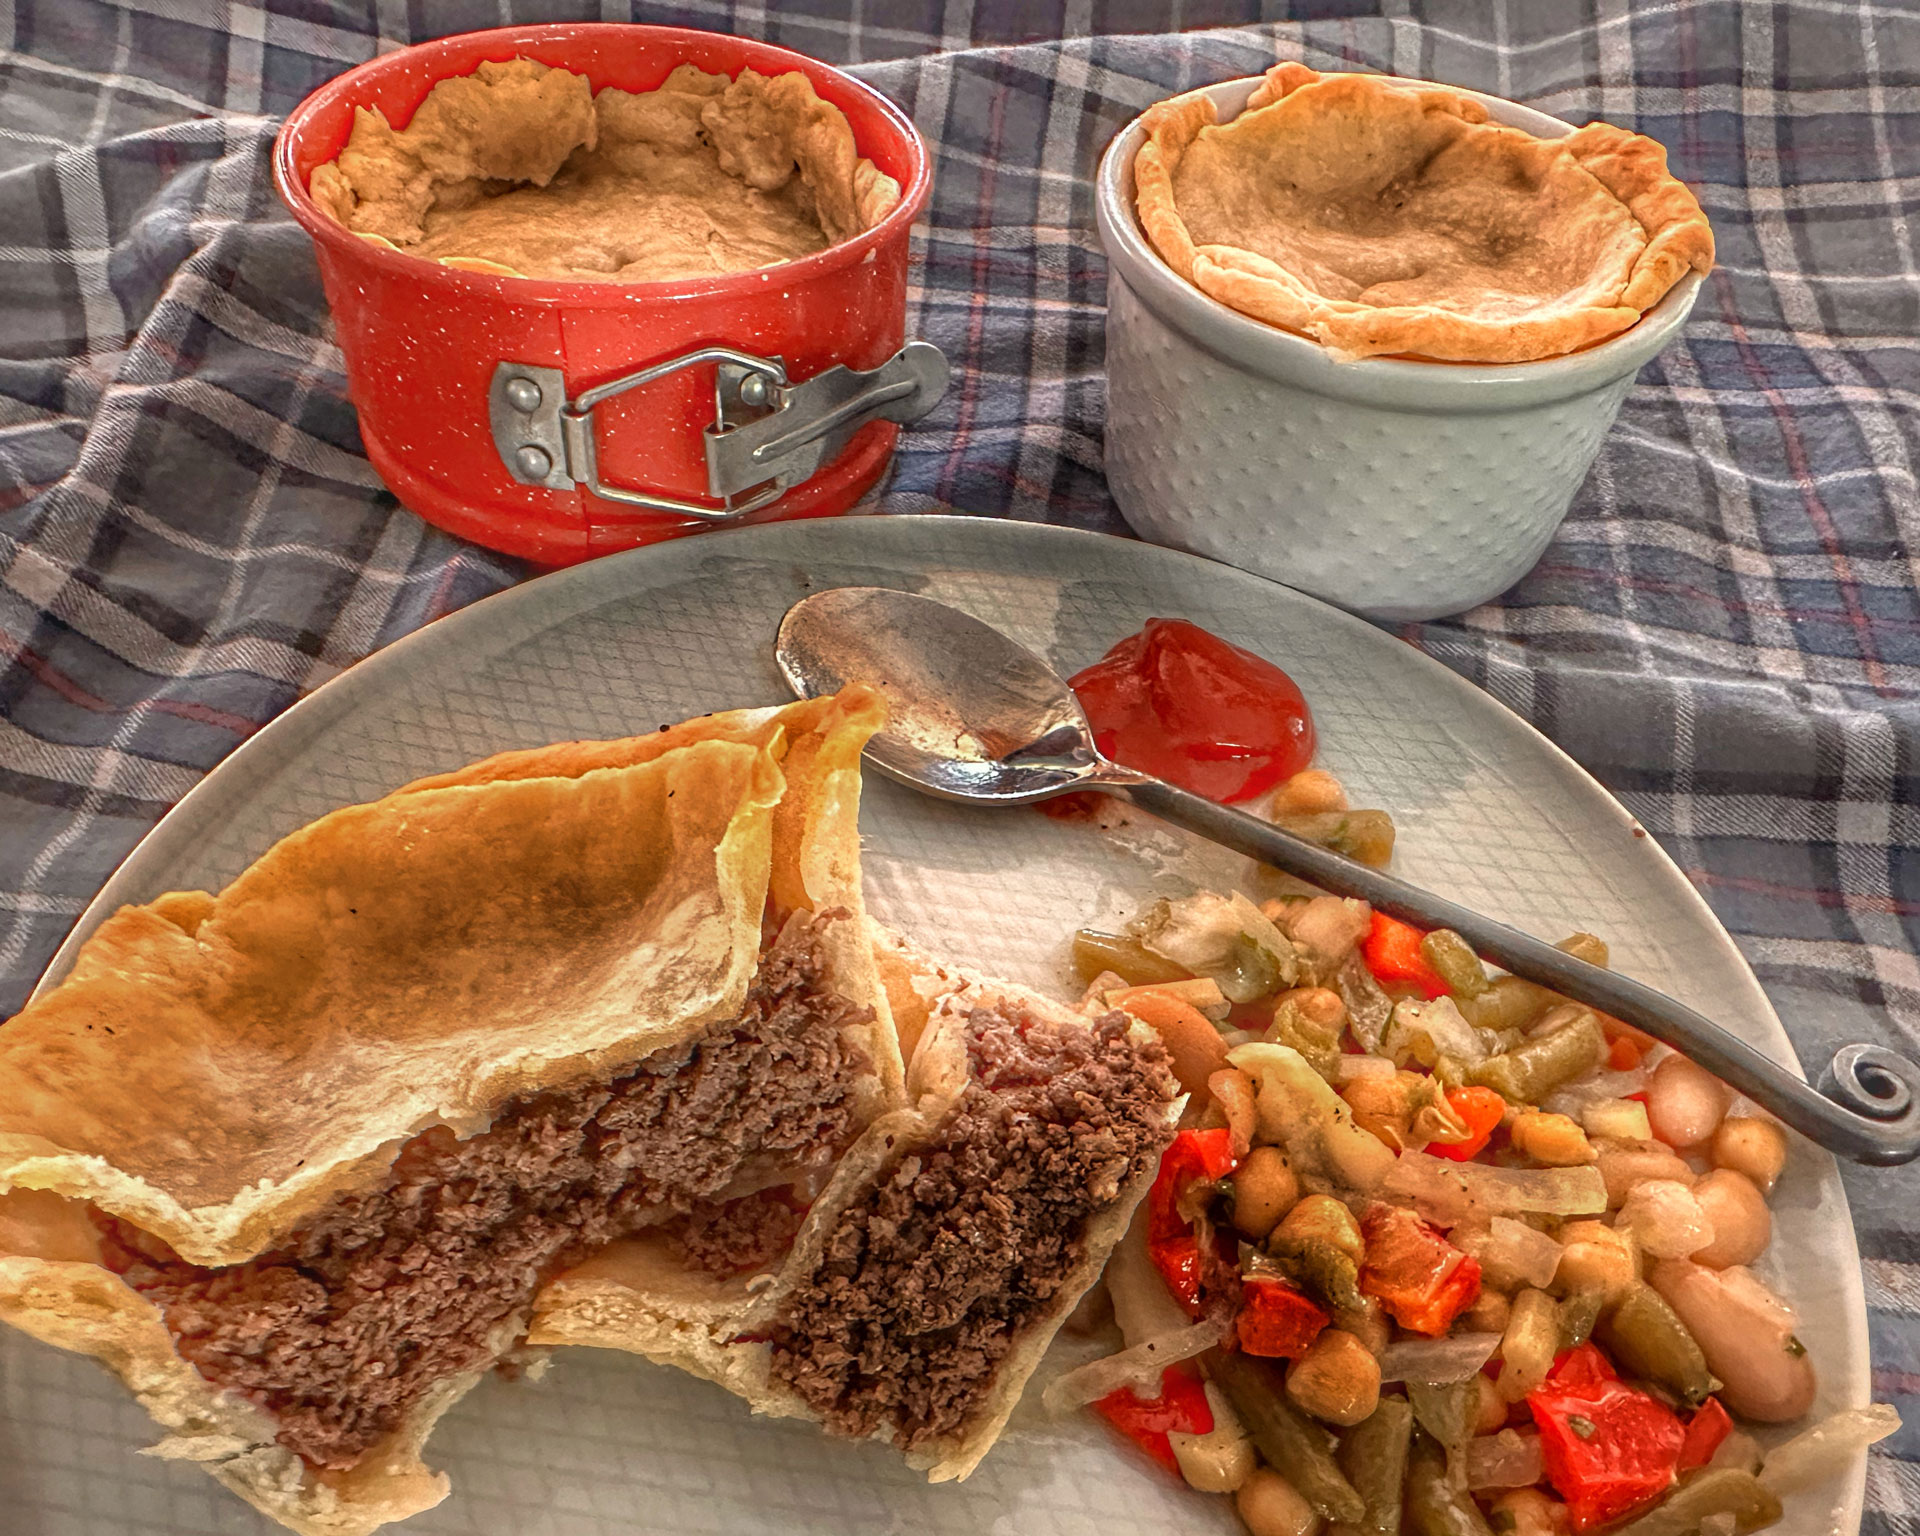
column 1489, row 812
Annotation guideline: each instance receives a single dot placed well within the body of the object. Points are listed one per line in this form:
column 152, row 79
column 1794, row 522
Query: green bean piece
column 1717, row 1491
column 1578, row 1314
column 1325, row 1271
column 1508, row 1003
column 1296, row 1447
column 1363, row 835
column 1533, row 1069
column 1647, row 1338
column 1458, row 965
column 1585, row 946
column 1125, row 956
column 1434, row 1506
column 1374, row 1457
column 1447, row 1413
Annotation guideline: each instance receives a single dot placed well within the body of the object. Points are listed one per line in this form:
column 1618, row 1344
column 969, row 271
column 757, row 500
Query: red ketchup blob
column 1187, row 707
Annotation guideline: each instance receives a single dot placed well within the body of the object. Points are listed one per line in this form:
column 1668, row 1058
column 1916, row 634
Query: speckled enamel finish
column 1402, row 490
column 421, row 341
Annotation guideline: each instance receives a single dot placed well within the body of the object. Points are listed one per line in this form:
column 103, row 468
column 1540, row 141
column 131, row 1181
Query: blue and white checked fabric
column 1726, row 630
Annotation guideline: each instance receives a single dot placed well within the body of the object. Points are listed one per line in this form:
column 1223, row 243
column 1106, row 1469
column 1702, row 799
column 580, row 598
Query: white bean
column 1746, row 1333
column 1624, row 1164
column 1742, row 1225
column 1271, row 1506
column 1685, row 1102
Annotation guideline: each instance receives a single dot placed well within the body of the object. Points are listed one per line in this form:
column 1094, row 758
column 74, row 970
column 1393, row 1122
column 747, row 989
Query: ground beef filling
column 338, row 1333
column 736, row 1237
column 926, row 1284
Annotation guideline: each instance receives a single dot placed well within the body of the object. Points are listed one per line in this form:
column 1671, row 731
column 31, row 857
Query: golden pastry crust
column 1382, row 216
column 703, row 176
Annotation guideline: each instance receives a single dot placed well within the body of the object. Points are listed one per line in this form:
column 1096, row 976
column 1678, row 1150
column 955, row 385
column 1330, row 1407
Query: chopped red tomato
column 1585, row 1366
column 1182, row 1405
column 1276, row 1320
column 1710, row 1424
column 1171, row 1244
column 1422, row 1280
column 1392, row 952
column 1482, row 1110
column 1186, row 705
column 1608, row 1447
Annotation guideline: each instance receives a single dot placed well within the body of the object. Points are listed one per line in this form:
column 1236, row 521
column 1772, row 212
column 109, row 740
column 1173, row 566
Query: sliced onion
column 1595, row 1086
column 1509, row 1459
column 1350, row 1067
column 1448, row 1193
column 1137, row 1367
column 1827, row 1449
column 1513, row 1251
column 1440, row 1362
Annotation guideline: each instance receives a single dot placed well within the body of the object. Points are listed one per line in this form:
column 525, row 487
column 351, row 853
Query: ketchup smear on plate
column 1187, row 707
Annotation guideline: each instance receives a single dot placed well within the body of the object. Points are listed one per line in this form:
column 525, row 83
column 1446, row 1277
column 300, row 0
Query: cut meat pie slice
column 949, row 1246
column 294, row 1160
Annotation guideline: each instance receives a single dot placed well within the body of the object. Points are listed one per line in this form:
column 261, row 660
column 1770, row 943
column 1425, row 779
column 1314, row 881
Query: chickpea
column 1585, row 946
column 1742, row 1224
column 1755, row 1147
column 1489, row 1313
column 1317, row 1005
column 1490, row 1408
column 1529, row 1512
column 1381, row 1106
column 1324, row 1218
column 1624, row 1164
column 1269, row 1505
column 1685, row 1102
column 1595, row 1256
column 1554, row 1140
column 1264, row 1190
column 1337, row 1380
column 1311, row 792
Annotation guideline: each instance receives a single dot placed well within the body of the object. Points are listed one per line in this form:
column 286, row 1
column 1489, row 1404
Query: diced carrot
column 1189, row 1036
column 1392, row 952
column 1623, row 1055
column 1482, row 1109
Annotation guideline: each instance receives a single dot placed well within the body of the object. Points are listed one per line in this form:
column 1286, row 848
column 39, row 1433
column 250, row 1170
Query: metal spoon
column 976, row 717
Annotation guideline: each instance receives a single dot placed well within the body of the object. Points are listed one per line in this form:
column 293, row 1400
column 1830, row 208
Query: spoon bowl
column 972, row 716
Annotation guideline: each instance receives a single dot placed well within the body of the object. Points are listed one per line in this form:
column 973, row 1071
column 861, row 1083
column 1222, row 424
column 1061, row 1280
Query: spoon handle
column 1869, row 1110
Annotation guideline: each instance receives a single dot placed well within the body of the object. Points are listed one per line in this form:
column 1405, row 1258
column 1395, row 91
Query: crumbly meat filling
column 342, row 1329
column 925, row 1285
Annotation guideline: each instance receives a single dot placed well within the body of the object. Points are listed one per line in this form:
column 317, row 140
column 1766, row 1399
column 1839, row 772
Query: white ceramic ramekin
column 1402, row 490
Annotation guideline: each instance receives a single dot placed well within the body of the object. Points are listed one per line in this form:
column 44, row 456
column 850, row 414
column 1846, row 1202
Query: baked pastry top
column 1377, row 215
column 521, row 169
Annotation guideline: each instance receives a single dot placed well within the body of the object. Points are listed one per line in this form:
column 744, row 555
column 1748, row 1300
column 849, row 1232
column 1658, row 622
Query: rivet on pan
column 753, row 389
column 533, row 462
column 524, row 396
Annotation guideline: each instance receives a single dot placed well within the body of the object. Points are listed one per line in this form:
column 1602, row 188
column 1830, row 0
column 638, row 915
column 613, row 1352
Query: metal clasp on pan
column 768, row 434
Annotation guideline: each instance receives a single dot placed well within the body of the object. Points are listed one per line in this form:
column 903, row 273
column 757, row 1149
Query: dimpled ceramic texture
column 606, row 1445
column 1399, row 489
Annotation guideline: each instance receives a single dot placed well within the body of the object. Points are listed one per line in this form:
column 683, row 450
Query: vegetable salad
column 1436, row 1250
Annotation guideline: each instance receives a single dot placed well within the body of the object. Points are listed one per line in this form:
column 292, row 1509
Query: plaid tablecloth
column 1726, row 630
